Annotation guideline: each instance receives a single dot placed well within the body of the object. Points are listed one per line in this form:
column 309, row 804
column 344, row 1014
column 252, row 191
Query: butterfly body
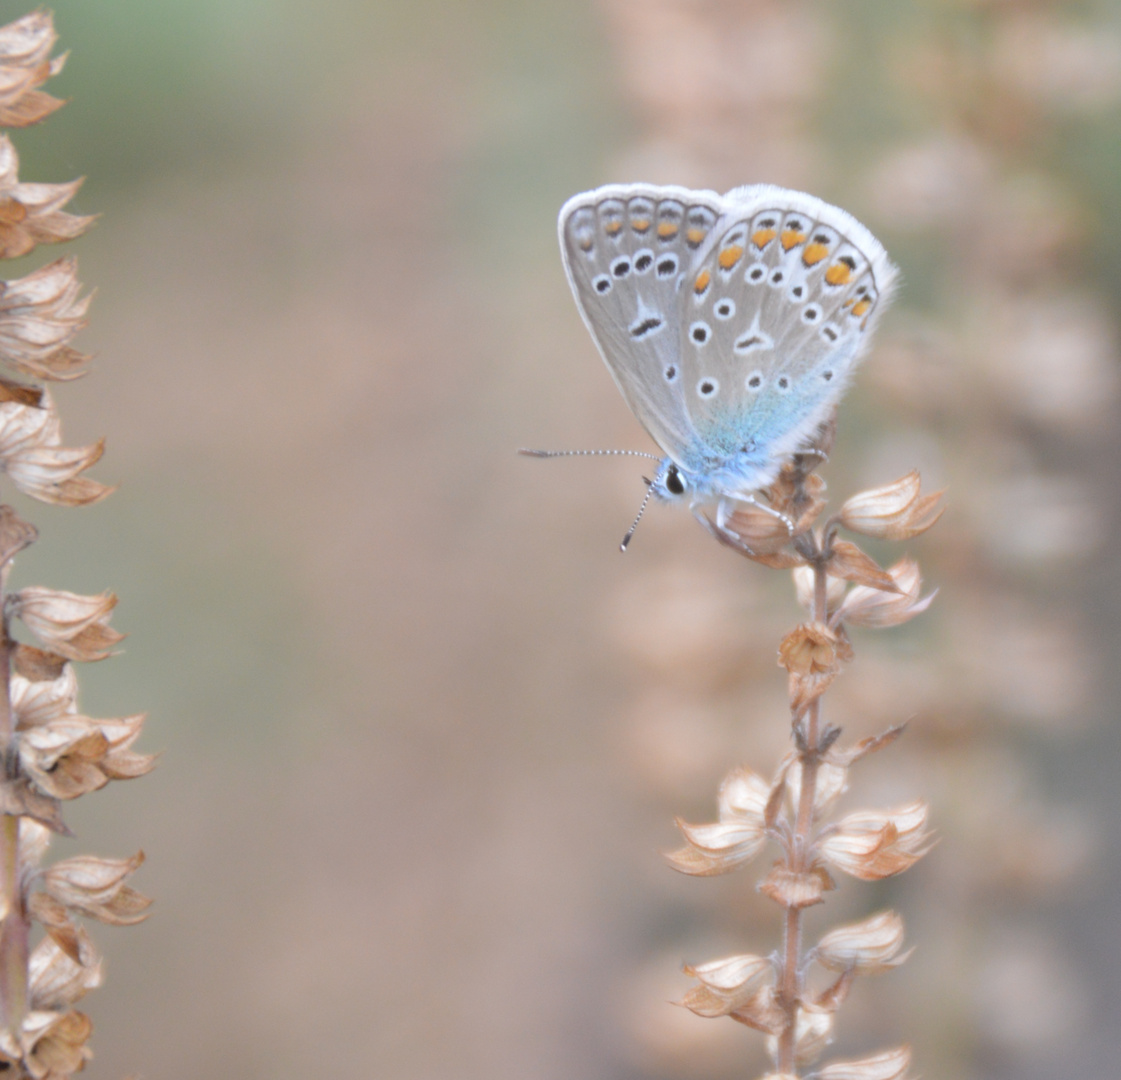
column 730, row 323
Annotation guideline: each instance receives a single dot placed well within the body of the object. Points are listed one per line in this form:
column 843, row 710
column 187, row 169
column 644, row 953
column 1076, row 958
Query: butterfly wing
column 780, row 305
column 628, row 250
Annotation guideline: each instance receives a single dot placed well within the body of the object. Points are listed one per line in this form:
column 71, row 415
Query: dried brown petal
column 20, row 798
column 39, row 702
column 866, row 948
column 96, row 887
column 15, row 534
column 864, row 606
column 60, row 1050
column 761, row 1012
column 886, row 1065
column 39, row 316
column 32, row 214
column 73, row 626
column 793, row 889
column 874, row 844
column 718, row 848
column 894, row 512
column 726, row 985
column 743, row 795
column 59, row 979
column 37, row 665
column 847, row 561
column 870, row 745
column 25, row 47
column 57, row 922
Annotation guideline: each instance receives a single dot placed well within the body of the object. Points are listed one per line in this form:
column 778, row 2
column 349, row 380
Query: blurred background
column 424, row 730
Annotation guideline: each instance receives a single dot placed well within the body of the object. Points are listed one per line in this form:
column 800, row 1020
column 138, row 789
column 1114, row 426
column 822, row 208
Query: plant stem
column 14, row 925
column 790, row 986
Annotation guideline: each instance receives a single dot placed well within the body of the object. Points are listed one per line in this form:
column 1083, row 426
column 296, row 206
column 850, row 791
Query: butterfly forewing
column 628, row 251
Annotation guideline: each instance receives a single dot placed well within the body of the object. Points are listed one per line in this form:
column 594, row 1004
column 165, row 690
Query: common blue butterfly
column 731, row 323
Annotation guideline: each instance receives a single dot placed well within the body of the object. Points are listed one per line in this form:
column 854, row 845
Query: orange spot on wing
column 694, row 236
column 703, row 278
column 640, row 225
column 762, row 237
column 791, row 238
column 729, row 257
column 612, row 228
column 838, row 274
column 586, row 244
column 667, row 230
column 814, row 253
column 861, row 308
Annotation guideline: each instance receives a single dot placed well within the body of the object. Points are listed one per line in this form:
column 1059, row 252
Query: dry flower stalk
column 841, row 586
column 51, row 751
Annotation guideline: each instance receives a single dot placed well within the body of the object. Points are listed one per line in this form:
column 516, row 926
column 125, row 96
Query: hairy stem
column 790, row 985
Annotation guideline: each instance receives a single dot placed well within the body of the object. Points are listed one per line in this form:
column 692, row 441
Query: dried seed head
column 25, row 64
column 73, row 626
column 864, row 606
column 893, row 512
column 796, row 889
column 886, row 1065
column 874, row 844
column 96, row 888
column 809, row 649
column 739, row 834
column 726, row 985
column 865, row 948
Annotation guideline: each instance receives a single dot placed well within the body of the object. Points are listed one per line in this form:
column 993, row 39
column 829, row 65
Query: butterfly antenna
column 637, row 517
column 588, row 453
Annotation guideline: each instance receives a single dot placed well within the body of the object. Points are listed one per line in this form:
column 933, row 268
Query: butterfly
column 730, row 323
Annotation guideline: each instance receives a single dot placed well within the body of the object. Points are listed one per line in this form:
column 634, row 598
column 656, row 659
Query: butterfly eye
column 754, row 380
column 602, row 284
column 755, row 274
column 707, row 387
column 671, row 373
column 778, row 277
column 783, row 383
column 667, row 266
column 725, row 309
column 643, row 260
column 811, row 313
column 675, row 485
column 827, row 376
column 830, row 332
column 621, row 267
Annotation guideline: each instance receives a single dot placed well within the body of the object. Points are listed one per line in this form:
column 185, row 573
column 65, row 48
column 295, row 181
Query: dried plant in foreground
column 51, row 751
column 793, row 996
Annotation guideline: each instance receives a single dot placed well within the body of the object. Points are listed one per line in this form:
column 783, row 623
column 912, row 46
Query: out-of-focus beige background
column 424, row 729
